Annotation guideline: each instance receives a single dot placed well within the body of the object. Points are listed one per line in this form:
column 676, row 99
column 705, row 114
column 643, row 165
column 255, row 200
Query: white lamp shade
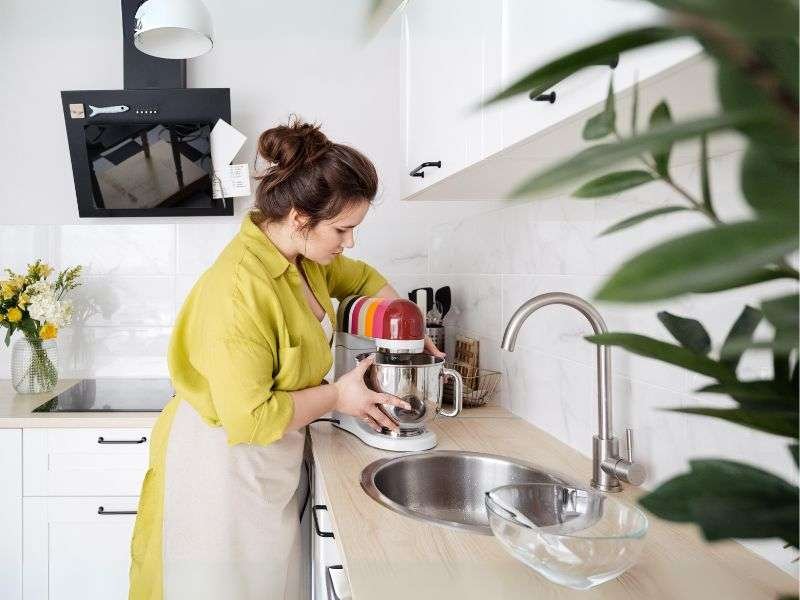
column 173, row 28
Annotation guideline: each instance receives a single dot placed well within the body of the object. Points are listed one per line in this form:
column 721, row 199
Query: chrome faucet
column 608, row 468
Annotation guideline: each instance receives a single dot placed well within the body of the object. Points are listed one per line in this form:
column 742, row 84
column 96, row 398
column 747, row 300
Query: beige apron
column 231, row 514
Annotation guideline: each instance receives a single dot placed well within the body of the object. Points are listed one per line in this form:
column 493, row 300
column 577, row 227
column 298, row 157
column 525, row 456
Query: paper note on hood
column 231, row 181
column 226, row 141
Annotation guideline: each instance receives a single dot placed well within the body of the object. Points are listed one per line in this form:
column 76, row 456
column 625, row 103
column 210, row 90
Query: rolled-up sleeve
column 240, row 378
column 349, row 277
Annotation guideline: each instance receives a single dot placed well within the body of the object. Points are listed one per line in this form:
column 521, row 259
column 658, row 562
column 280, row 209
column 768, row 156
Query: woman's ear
column 297, row 220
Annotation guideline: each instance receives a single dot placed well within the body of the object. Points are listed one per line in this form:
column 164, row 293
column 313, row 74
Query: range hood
column 145, row 150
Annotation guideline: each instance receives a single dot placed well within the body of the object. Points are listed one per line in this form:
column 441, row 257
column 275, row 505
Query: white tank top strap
column 327, row 327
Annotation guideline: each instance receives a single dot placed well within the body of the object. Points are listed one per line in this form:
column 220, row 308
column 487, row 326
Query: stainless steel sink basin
column 447, row 487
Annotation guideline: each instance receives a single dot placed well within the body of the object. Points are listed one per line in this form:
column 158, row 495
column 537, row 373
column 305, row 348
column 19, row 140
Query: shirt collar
column 260, row 245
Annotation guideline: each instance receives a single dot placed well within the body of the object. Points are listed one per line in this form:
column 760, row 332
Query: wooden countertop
column 15, row 411
column 389, row 556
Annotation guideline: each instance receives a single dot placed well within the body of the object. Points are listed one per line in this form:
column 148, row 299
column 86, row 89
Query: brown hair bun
column 310, row 173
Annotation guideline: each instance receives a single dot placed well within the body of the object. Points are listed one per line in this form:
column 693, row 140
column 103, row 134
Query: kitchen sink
column 447, row 487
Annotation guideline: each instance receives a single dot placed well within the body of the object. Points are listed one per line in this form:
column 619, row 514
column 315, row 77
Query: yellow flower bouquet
column 34, row 305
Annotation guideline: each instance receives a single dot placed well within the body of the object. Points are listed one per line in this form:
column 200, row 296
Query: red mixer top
column 395, row 324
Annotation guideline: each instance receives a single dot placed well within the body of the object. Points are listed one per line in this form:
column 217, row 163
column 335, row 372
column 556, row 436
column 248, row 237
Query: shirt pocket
column 290, row 373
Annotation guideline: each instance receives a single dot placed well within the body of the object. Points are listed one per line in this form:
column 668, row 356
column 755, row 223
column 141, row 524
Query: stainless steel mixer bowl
column 416, row 378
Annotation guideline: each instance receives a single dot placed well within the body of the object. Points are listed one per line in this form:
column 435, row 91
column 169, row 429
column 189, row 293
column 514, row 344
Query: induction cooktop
column 112, row 395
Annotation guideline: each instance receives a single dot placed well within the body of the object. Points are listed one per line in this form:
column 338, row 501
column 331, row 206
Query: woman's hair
column 317, row 177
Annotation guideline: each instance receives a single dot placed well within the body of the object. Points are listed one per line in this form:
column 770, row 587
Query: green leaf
column 784, row 346
column 764, row 393
column 728, row 500
column 635, row 107
column 602, row 156
column 723, row 257
column 8, row 335
column 690, row 333
column 783, row 423
column 636, row 219
column 599, row 126
column 782, row 312
column 776, row 131
column 765, row 18
column 546, row 75
column 665, row 352
column 793, row 451
column 741, row 331
column 705, row 185
column 606, row 185
column 769, row 184
column 660, row 118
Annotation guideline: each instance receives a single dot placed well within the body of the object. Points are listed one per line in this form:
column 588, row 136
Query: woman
column 218, row 514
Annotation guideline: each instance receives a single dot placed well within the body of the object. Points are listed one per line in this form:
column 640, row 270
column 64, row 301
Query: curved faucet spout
column 604, row 421
column 608, row 468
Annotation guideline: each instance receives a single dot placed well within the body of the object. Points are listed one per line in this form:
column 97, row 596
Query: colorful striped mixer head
column 396, row 325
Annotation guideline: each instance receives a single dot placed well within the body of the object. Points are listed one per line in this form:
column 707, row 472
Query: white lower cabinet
column 10, row 514
column 77, row 548
column 328, row 577
column 78, row 497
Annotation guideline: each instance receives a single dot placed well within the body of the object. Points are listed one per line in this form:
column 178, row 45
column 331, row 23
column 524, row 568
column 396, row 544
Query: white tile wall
column 526, row 249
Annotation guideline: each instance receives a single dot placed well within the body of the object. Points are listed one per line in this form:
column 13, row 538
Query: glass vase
column 34, row 365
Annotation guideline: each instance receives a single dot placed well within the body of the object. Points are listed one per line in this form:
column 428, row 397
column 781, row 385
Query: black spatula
column 443, row 300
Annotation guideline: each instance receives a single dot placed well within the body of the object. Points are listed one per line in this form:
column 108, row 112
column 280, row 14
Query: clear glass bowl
column 575, row 537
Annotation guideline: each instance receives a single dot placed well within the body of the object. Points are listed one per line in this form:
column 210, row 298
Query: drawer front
column 84, row 462
column 77, row 547
column 329, row 579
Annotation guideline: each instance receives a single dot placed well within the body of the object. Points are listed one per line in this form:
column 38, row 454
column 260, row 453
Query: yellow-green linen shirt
column 243, row 339
column 246, row 335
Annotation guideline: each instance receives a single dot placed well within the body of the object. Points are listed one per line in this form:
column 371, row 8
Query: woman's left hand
column 430, row 348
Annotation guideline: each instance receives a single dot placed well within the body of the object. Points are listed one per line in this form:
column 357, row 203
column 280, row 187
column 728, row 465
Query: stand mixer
column 393, row 329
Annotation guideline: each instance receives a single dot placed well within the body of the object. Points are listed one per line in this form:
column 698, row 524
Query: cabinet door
column 452, row 63
column 71, row 552
column 11, row 514
column 537, row 32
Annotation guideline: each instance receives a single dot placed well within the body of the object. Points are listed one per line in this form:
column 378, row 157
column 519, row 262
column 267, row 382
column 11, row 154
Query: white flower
column 46, row 309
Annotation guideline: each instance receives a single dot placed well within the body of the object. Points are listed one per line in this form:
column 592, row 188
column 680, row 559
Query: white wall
column 306, row 57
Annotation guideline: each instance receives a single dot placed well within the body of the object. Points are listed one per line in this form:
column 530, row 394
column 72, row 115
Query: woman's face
column 329, row 238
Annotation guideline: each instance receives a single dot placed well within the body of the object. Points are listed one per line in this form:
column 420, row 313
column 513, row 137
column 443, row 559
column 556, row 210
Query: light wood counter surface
column 389, row 556
column 15, row 411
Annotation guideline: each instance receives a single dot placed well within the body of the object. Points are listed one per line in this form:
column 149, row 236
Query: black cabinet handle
column 418, row 171
column 551, row 97
column 103, row 511
column 332, row 595
column 102, row 440
column 314, row 510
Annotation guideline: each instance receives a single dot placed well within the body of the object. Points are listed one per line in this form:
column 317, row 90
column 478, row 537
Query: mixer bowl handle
column 458, row 392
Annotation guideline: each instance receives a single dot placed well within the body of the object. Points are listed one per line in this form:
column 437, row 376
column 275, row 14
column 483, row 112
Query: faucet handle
column 629, row 443
column 628, row 470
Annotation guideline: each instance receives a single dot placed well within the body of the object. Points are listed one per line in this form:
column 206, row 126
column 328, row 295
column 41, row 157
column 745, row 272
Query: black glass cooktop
column 112, row 395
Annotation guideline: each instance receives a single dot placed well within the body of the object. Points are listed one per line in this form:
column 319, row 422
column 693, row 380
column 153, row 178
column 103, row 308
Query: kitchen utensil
column 415, row 378
column 442, row 299
column 575, row 537
column 437, row 335
column 427, row 293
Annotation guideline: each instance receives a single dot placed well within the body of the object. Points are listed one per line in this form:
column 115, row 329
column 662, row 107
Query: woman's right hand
column 356, row 399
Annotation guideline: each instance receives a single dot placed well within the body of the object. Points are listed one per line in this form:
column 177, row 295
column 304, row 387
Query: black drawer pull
column 332, row 595
column 103, row 511
column 102, row 440
column 551, row 97
column 418, row 171
column 314, row 510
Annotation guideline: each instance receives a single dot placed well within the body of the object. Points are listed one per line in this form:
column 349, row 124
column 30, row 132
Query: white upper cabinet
column 458, row 53
column 452, row 53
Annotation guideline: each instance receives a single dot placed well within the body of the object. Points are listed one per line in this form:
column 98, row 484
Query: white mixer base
column 423, row 441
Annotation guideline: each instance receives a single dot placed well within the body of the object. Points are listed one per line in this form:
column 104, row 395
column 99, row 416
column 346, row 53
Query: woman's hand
column 356, row 399
column 430, row 348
